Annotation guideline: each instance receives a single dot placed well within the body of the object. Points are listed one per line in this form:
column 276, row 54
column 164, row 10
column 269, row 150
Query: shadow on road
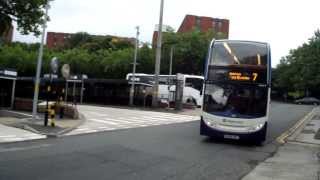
column 240, row 143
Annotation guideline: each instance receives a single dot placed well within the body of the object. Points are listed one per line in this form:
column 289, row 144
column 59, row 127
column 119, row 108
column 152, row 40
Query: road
column 172, row 151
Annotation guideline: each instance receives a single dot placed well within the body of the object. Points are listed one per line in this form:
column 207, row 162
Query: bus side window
column 195, row 83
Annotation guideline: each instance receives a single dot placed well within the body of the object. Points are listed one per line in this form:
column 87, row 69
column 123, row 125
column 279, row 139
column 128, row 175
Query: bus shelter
column 8, row 79
column 74, row 80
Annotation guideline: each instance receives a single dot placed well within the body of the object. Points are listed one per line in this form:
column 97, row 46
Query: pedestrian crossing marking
column 107, row 119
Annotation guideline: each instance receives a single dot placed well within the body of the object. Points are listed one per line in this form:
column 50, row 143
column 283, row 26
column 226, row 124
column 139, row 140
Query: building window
column 198, row 23
column 219, row 25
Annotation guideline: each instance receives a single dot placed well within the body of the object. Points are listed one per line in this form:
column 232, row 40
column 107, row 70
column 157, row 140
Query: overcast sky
column 285, row 24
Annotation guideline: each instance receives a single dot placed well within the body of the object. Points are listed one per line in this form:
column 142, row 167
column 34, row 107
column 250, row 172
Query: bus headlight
column 256, row 127
column 211, row 123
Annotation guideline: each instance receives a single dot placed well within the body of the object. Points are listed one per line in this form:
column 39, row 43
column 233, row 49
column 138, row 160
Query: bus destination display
column 238, row 76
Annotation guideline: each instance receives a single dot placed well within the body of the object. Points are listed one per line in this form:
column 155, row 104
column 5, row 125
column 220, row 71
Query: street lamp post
column 134, row 68
column 39, row 64
column 171, row 57
column 158, row 59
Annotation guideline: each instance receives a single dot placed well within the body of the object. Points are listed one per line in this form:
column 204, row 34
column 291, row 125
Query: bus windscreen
column 239, row 54
column 237, row 101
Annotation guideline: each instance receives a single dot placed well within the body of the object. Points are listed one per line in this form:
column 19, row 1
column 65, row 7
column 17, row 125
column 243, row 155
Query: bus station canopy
column 8, row 74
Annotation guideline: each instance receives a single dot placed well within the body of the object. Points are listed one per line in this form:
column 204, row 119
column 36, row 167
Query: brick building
column 165, row 29
column 204, row 24
column 58, row 39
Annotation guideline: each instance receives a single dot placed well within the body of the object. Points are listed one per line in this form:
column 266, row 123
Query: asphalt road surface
column 173, row 151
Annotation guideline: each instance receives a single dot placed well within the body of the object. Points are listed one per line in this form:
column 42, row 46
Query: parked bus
column 237, row 90
column 192, row 91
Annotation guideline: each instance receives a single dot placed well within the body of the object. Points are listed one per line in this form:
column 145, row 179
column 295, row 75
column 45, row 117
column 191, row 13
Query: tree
column 29, row 15
column 94, row 43
column 118, row 63
column 190, row 51
column 78, row 39
column 145, row 60
column 299, row 71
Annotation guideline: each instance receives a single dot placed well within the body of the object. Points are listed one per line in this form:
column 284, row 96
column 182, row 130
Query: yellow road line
column 282, row 138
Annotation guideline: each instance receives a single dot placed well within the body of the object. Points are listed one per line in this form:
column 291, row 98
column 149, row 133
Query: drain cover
column 308, row 131
column 309, row 124
column 316, row 117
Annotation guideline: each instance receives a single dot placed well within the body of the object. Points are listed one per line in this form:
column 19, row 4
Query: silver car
column 308, row 100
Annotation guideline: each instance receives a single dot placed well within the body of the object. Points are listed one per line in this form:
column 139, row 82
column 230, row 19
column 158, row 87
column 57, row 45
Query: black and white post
column 133, row 78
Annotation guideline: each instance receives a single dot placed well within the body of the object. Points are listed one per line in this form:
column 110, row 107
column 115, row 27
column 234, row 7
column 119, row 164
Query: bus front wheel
column 261, row 138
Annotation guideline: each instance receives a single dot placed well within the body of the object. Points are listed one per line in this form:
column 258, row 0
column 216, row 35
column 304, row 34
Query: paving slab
column 11, row 134
column 291, row 162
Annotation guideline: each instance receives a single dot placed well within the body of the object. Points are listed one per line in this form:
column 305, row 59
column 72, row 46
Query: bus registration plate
column 228, row 136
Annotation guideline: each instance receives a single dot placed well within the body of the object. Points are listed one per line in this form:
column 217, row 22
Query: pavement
column 23, row 123
column 62, row 126
column 298, row 158
column 169, row 151
column 10, row 134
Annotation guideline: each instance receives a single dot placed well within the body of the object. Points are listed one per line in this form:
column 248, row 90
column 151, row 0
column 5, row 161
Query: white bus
column 237, row 90
column 192, row 91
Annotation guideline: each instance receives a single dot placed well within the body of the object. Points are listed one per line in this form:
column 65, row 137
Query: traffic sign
column 54, row 64
column 65, row 71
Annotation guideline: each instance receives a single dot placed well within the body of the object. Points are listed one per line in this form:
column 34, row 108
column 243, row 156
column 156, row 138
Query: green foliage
column 29, row 15
column 76, row 40
column 118, row 63
column 93, row 44
column 146, row 59
column 100, row 64
column 299, row 71
column 190, row 51
column 109, row 57
column 18, row 57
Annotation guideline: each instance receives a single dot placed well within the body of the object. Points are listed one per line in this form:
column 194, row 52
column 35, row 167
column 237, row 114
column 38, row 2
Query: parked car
column 308, row 100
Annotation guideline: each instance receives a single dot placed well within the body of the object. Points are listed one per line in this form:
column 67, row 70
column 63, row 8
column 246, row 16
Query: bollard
column 61, row 105
column 61, row 109
column 52, row 117
column 46, row 115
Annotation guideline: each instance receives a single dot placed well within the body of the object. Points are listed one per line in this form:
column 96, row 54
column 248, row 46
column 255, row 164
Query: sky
column 285, row 24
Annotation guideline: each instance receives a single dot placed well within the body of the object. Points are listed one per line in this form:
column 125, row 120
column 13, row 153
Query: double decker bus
column 237, row 90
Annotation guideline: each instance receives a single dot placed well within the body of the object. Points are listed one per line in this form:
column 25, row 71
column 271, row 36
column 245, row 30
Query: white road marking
column 23, row 148
column 7, row 136
column 102, row 121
